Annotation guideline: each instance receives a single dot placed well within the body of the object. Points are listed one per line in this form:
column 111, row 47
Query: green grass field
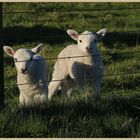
column 118, row 112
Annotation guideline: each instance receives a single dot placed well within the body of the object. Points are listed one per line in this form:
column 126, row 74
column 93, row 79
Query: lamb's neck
column 95, row 51
column 96, row 57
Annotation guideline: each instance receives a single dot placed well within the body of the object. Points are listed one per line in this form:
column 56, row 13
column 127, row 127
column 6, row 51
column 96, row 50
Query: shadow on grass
column 80, row 109
column 118, row 38
column 20, row 34
column 50, row 35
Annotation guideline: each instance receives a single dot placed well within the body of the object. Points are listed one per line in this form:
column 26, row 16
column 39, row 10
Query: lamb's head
column 87, row 40
column 23, row 57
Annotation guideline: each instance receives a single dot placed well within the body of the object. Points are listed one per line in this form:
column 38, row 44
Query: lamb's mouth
column 24, row 72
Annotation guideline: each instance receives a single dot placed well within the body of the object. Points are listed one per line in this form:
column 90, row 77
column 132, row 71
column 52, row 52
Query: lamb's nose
column 89, row 49
column 23, row 71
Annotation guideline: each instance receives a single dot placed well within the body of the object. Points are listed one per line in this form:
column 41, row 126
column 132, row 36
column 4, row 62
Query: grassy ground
column 118, row 112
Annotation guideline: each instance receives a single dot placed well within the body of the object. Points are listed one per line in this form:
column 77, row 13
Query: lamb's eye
column 80, row 41
column 15, row 59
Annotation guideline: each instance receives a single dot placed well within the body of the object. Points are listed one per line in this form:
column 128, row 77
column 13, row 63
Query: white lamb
column 31, row 75
column 78, row 70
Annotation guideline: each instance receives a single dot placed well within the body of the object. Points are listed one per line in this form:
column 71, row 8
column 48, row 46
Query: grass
column 118, row 113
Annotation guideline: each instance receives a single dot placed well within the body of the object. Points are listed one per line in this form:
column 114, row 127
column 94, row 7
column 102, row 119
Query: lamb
column 32, row 75
column 78, row 70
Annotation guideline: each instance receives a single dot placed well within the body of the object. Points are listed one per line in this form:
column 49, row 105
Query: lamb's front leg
column 21, row 100
column 25, row 101
column 53, row 86
column 55, row 83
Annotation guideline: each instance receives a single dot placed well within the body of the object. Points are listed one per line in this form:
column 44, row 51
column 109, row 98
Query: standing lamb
column 78, row 70
column 31, row 75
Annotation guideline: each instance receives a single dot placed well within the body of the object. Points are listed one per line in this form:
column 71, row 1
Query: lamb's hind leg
column 64, row 91
column 67, row 86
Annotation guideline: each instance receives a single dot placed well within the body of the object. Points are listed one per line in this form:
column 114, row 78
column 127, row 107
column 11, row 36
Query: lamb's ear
column 73, row 34
column 8, row 50
column 102, row 32
column 37, row 49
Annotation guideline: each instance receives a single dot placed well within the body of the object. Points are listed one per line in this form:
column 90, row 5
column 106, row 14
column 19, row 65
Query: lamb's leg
column 67, row 87
column 56, row 82
column 69, row 93
column 66, row 91
column 21, row 100
column 98, row 88
column 85, row 86
column 53, row 86
column 25, row 101
column 85, row 89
